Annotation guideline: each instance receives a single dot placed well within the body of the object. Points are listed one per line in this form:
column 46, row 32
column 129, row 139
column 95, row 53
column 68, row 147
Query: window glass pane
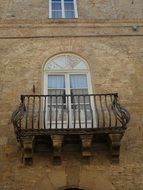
column 69, row 14
column 56, row 81
column 56, row 6
column 68, row 1
column 78, row 81
column 69, row 6
column 69, row 9
column 56, row 14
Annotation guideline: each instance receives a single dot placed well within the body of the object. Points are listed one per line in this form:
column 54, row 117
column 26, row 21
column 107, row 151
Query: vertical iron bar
column 22, row 99
column 33, row 112
column 39, row 112
column 91, row 108
column 79, row 111
column 56, row 111
column 68, row 111
column 111, row 98
column 108, row 110
column 50, row 111
column 74, row 111
column 27, row 112
column 44, row 112
column 102, row 111
column 85, row 112
column 63, row 98
column 116, row 119
column 97, row 114
column 23, row 106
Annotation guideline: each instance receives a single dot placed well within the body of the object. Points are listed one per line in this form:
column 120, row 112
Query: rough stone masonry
column 109, row 36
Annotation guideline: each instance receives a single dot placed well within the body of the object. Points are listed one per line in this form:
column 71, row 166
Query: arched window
column 67, row 81
column 67, row 74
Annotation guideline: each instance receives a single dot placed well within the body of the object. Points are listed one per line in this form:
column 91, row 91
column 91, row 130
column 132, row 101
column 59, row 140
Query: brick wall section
column 97, row 9
column 116, row 66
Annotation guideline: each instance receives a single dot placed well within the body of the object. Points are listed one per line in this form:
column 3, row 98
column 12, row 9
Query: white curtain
column 56, row 81
column 78, row 81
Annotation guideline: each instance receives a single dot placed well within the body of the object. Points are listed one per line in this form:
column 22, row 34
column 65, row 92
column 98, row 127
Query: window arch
column 66, row 62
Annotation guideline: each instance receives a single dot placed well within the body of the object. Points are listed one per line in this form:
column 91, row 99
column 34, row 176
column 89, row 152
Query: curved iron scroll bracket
column 16, row 118
column 121, row 113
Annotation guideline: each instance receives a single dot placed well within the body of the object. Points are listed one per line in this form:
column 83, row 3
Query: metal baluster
column 74, row 111
column 22, row 103
column 106, row 103
column 97, row 114
column 85, row 111
column 44, row 112
column 91, row 109
column 63, row 98
column 33, row 112
column 27, row 112
column 39, row 112
column 116, row 121
column 50, row 111
column 56, row 111
column 68, row 111
column 101, row 105
column 79, row 111
column 113, row 97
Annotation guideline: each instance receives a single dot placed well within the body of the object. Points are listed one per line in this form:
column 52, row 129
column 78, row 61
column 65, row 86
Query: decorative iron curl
column 16, row 118
column 121, row 113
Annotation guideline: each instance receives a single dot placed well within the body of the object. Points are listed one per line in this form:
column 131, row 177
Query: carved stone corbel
column 114, row 143
column 57, row 147
column 27, row 149
column 86, row 145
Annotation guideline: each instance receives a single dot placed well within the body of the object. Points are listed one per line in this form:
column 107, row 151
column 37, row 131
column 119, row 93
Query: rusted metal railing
column 57, row 112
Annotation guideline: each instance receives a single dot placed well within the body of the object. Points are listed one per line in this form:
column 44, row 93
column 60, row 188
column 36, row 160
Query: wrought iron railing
column 92, row 117
column 69, row 112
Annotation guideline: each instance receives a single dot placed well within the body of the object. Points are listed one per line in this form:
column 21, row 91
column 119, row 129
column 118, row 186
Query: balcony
column 90, row 117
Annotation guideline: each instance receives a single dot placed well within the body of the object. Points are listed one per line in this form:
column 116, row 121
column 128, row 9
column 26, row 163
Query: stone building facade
column 109, row 36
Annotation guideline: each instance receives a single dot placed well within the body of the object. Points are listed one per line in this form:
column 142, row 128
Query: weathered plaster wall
column 116, row 66
column 96, row 9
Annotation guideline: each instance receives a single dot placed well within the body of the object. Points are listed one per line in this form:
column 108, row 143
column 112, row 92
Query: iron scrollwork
column 121, row 113
column 16, row 118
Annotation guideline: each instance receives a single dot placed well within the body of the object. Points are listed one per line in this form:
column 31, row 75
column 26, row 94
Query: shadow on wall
column 89, row 179
column 73, row 189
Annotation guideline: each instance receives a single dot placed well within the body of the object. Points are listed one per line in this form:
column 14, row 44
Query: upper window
column 62, row 9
